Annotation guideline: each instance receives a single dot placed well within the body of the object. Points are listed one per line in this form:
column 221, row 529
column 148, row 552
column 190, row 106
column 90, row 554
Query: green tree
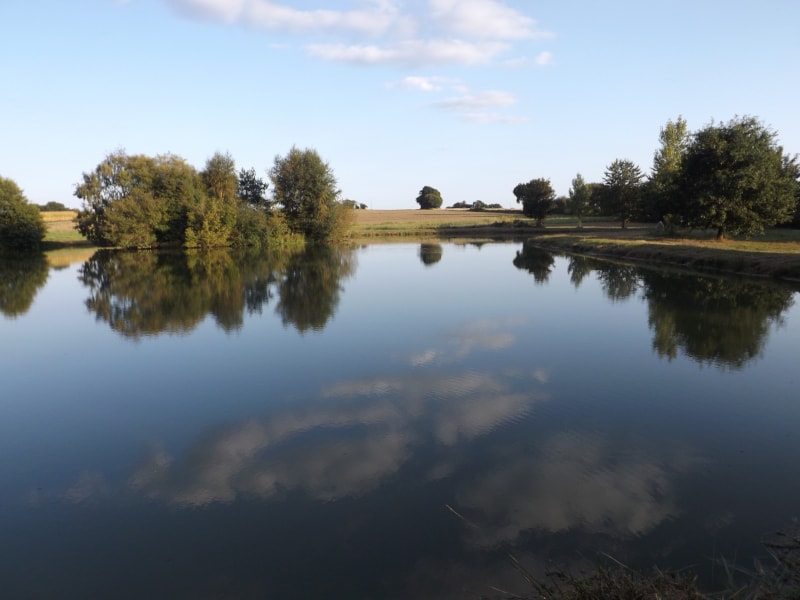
column 305, row 188
column 537, row 197
column 736, row 179
column 53, row 206
column 622, row 194
column 137, row 200
column 580, row 198
column 252, row 189
column 213, row 218
column 21, row 224
column 662, row 196
column 429, row 197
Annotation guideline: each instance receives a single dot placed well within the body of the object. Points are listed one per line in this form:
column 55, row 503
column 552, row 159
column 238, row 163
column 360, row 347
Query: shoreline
column 774, row 256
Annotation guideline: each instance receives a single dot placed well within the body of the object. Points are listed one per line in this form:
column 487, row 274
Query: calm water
column 386, row 422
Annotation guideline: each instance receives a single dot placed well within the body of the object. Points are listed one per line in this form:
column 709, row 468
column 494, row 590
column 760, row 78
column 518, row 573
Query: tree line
column 730, row 177
column 138, row 201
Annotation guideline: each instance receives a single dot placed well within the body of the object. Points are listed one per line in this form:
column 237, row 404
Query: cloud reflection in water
column 361, row 433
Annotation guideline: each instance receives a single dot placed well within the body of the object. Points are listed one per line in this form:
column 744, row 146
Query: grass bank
column 776, row 254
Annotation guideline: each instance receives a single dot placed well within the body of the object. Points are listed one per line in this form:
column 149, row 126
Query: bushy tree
column 580, row 197
column 736, row 179
column 305, row 188
column 537, row 197
column 21, row 224
column 622, row 194
column 662, row 197
column 213, row 218
column 252, row 189
column 53, row 206
column 137, row 200
column 140, row 201
column 429, row 197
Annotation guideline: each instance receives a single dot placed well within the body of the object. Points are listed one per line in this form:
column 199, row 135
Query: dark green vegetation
column 305, row 187
column 21, row 225
column 622, row 191
column 537, row 198
column 429, row 198
column 732, row 178
column 579, row 201
column 52, row 206
column 141, row 202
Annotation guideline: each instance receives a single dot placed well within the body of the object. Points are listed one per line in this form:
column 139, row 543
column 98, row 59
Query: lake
column 387, row 421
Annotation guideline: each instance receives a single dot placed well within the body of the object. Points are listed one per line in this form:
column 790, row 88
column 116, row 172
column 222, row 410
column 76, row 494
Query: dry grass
column 61, row 230
column 371, row 223
column 59, row 216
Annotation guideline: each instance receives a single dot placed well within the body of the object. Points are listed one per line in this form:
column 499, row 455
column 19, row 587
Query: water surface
column 388, row 421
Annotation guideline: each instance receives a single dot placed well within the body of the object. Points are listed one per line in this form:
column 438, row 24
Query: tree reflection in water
column 310, row 284
column 710, row 319
column 148, row 293
column 21, row 277
column 430, row 254
column 536, row 261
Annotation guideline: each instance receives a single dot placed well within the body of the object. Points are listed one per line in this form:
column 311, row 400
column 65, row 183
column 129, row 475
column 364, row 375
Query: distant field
column 374, row 223
column 61, row 227
column 58, row 216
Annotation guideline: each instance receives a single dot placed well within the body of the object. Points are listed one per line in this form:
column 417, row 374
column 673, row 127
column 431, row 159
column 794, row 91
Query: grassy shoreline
column 775, row 255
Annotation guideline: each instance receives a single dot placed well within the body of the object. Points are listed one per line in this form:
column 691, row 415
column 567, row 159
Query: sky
column 468, row 96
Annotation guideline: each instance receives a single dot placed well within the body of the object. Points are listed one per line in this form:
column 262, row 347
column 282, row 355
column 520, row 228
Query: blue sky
column 468, row 96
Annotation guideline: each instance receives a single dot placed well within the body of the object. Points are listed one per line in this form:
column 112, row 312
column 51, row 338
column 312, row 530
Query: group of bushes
column 139, row 201
column 21, row 224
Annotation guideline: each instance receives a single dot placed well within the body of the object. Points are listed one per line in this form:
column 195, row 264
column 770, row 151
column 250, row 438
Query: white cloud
column 478, row 100
column 375, row 19
column 483, row 19
column 372, row 21
column 461, row 32
column 412, row 52
column 423, row 84
column 544, row 59
column 217, row 10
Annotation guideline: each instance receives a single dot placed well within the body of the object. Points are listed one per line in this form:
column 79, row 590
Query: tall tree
column 580, row 198
column 429, row 197
column 252, row 188
column 662, row 194
column 537, row 197
column 305, row 187
column 213, row 218
column 21, row 224
column 737, row 179
column 622, row 195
